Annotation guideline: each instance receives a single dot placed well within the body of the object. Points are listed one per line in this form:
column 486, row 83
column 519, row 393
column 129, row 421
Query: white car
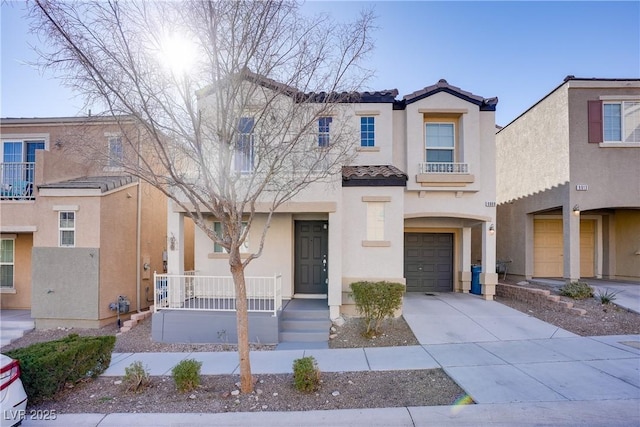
column 13, row 398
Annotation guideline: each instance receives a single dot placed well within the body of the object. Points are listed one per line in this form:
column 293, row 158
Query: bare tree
column 232, row 131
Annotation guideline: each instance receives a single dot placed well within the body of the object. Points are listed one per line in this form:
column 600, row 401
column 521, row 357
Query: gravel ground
column 276, row 393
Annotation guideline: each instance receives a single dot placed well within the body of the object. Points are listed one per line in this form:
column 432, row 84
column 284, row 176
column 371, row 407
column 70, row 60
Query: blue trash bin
column 475, row 279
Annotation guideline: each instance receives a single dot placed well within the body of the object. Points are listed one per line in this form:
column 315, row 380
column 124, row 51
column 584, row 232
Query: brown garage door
column 428, row 262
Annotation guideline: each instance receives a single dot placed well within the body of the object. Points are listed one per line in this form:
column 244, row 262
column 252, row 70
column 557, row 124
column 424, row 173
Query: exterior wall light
column 492, row 229
column 576, row 210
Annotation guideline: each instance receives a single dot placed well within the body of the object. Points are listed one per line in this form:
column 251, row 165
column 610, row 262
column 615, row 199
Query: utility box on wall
column 65, row 283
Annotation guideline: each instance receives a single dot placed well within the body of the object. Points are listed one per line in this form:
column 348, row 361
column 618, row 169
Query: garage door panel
column 430, row 267
column 548, row 258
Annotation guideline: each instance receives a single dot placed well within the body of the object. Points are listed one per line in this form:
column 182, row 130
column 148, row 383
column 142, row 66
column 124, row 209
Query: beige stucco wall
column 532, row 152
column 117, row 249
column 612, row 173
column 153, row 237
column 363, row 260
column 276, row 258
column 471, row 137
column 382, row 153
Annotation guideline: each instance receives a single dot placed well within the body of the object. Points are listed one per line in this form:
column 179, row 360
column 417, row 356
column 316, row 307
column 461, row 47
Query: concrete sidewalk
column 518, row 369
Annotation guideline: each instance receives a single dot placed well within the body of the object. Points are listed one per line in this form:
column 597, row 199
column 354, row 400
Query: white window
column 324, row 130
column 375, row 220
column 7, row 256
column 621, row 121
column 440, row 142
column 244, row 150
column 116, row 152
column 67, row 228
column 217, row 228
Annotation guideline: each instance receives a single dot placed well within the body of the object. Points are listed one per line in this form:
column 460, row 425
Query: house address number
column 582, row 187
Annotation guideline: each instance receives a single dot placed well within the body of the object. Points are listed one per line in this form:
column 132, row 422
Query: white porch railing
column 215, row 293
column 443, row 167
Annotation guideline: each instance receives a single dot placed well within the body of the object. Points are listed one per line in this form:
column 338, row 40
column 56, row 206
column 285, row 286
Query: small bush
column 376, row 301
column 606, row 297
column 306, row 375
column 136, row 377
column 577, row 290
column 186, row 375
column 47, row 366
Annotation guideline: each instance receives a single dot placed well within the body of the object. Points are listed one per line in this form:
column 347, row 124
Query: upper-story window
column 244, row 153
column 7, row 254
column 116, row 151
column 67, row 228
column 621, row 121
column 18, row 166
column 324, row 126
column 367, row 131
column 440, row 142
column 217, row 228
column 614, row 123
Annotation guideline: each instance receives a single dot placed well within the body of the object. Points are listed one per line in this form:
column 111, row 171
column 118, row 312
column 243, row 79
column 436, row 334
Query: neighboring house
column 569, row 183
column 77, row 232
column 417, row 206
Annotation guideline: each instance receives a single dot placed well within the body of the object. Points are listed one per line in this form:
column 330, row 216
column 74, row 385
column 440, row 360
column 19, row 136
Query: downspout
column 138, row 232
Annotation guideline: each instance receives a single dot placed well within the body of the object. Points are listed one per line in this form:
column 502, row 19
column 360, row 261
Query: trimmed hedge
column 376, row 301
column 46, row 367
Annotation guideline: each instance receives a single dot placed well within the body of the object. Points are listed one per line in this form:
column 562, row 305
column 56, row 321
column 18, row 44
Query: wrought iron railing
column 16, row 180
column 216, row 293
column 444, row 167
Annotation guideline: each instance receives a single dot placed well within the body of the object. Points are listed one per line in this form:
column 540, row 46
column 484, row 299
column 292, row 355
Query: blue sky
column 517, row 51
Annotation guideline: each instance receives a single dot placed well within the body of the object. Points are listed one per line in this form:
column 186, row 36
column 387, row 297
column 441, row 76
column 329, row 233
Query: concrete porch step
column 304, row 336
column 303, row 346
column 304, row 324
column 11, row 330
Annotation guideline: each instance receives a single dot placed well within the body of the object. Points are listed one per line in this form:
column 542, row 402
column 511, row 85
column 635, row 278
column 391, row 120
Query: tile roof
column 102, row 183
column 380, row 96
column 374, row 175
column 485, row 104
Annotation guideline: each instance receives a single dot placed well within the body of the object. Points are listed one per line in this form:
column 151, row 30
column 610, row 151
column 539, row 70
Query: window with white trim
column 116, row 151
column 367, row 131
column 217, row 228
column 7, row 257
column 375, row 221
column 244, row 150
column 324, row 127
column 440, row 142
column 621, row 121
column 67, row 227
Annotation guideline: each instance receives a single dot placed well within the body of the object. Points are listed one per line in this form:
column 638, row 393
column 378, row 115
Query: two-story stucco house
column 77, row 232
column 416, row 206
column 569, row 183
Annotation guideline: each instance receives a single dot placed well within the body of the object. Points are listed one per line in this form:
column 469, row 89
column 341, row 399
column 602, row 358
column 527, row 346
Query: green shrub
column 376, row 301
column 136, row 377
column 607, row 297
column 577, row 290
column 46, row 367
column 306, row 375
column 186, row 375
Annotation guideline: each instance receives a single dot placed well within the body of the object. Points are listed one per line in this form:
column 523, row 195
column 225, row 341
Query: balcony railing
column 216, row 293
column 444, row 167
column 16, row 180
